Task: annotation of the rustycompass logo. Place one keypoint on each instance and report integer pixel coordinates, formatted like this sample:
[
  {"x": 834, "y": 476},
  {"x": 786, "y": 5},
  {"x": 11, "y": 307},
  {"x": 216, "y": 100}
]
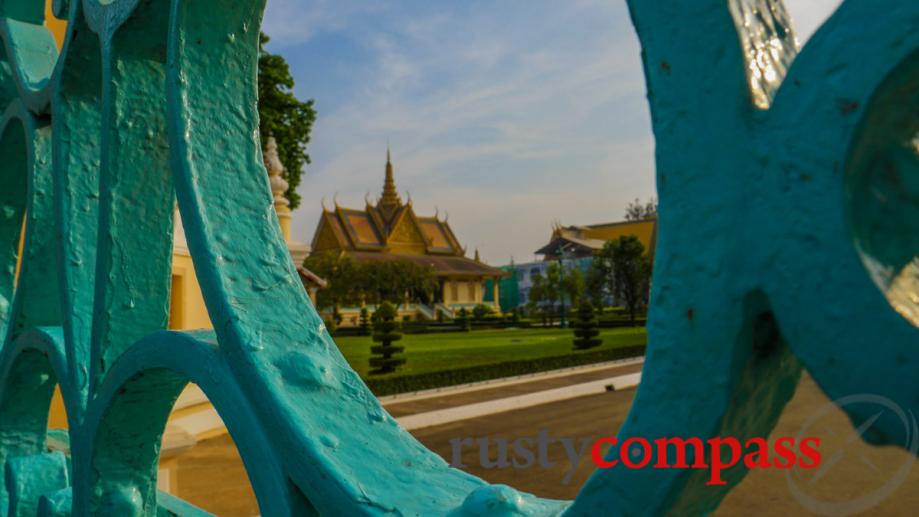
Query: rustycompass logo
[{"x": 889, "y": 467}]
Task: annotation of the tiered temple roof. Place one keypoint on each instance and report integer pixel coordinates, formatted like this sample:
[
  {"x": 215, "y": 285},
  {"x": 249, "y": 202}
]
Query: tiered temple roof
[{"x": 390, "y": 230}]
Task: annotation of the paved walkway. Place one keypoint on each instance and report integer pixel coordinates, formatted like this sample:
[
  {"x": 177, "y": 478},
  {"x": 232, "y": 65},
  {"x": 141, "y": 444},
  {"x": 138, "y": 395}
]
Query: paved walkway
[
  {"x": 857, "y": 469},
  {"x": 213, "y": 477},
  {"x": 447, "y": 400}
]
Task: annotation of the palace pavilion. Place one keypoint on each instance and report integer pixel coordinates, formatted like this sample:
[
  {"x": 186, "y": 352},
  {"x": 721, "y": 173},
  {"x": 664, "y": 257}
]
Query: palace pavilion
[{"x": 391, "y": 230}]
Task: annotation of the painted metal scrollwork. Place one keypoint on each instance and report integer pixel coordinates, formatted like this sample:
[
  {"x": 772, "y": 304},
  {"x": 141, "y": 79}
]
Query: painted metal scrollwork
[{"x": 788, "y": 188}]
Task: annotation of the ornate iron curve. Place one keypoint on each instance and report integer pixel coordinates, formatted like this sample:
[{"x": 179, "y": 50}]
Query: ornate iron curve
[{"x": 767, "y": 231}]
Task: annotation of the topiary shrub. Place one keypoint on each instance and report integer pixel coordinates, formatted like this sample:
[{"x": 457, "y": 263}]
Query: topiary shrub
[
  {"x": 586, "y": 327},
  {"x": 480, "y": 311},
  {"x": 386, "y": 332},
  {"x": 463, "y": 321},
  {"x": 366, "y": 330}
]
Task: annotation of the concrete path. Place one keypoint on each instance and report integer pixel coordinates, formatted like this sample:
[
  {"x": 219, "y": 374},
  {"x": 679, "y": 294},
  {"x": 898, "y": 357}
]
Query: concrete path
[
  {"x": 400, "y": 407},
  {"x": 212, "y": 475},
  {"x": 432, "y": 409}
]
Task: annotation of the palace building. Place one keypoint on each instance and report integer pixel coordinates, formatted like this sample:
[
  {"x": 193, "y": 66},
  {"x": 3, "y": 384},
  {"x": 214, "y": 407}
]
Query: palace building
[
  {"x": 586, "y": 241},
  {"x": 391, "y": 230},
  {"x": 574, "y": 247}
]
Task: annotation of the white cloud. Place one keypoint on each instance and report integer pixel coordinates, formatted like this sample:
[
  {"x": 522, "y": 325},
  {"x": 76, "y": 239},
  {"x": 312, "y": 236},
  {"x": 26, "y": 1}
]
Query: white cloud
[
  {"x": 506, "y": 124},
  {"x": 809, "y": 15},
  {"x": 290, "y": 22}
]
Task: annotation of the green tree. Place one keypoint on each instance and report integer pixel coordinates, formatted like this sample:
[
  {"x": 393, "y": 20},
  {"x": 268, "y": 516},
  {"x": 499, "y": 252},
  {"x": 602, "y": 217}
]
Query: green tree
[
  {"x": 638, "y": 211},
  {"x": 539, "y": 296},
  {"x": 284, "y": 116},
  {"x": 352, "y": 282},
  {"x": 573, "y": 284},
  {"x": 630, "y": 273},
  {"x": 586, "y": 327},
  {"x": 386, "y": 332},
  {"x": 343, "y": 275},
  {"x": 365, "y": 322},
  {"x": 595, "y": 283},
  {"x": 397, "y": 280},
  {"x": 553, "y": 289}
]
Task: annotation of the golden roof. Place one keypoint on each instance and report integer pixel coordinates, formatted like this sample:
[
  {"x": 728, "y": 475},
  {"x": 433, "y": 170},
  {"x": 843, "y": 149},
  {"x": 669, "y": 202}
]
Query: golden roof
[
  {"x": 594, "y": 236},
  {"x": 390, "y": 226}
]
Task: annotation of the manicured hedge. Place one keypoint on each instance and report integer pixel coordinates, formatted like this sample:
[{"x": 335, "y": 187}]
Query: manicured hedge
[
  {"x": 430, "y": 327},
  {"x": 614, "y": 324},
  {"x": 407, "y": 383}
]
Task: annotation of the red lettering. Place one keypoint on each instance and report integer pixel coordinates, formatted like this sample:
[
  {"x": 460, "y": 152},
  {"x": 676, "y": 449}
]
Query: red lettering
[
  {"x": 637, "y": 452},
  {"x": 679, "y": 444},
  {"x": 717, "y": 464},
  {"x": 784, "y": 448},
  {"x": 625, "y": 453},
  {"x": 810, "y": 453},
  {"x": 758, "y": 458},
  {"x": 597, "y": 456}
]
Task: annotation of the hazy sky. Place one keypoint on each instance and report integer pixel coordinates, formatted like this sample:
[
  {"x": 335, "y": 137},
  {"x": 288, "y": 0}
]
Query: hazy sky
[{"x": 506, "y": 114}]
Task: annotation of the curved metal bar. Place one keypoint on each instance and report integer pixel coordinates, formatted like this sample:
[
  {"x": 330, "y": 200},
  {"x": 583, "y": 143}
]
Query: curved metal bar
[
  {"x": 36, "y": 301},
  {"x": 30, "y": 368},
  {"x": 125, "y": 423},
  {"x": 15, "y": 153},
  {"x": 31, "y": 52},
  {"x": 811, "y": 218},
  {"x": 134, "y": 249},
  {"x": 76, "y": 151},
  {"x": 273, "y": 338},
  {"x": 42, "y": 351},
  {"x": 779, "y": 266},
  {"x": 742, "y": 289}
]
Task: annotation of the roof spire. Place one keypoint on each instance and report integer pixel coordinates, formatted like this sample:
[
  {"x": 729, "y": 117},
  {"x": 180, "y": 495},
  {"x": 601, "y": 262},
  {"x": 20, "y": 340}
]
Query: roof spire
[{"x": 390, "y": 196}]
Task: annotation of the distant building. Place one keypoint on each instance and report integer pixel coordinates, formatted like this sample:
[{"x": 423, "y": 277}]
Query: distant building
[
  {"x": 586, "y": 241},
  {"x": 579, "y": 244},
  {"x": 509, "y": 296},
  {"x": 524, "y": 273},
  {"x": 391, "y": 230}
]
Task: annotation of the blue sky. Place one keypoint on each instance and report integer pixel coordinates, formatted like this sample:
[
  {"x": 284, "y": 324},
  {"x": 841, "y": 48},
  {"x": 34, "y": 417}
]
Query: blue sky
[{"x": 506, "y": 114}]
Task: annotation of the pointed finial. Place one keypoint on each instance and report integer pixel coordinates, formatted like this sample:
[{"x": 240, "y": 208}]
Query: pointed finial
[
  {"x": 324, "y": 209},
  {"x": 436, "y": 213},
  {"x": 276, "y": 170},
  {"x": 367, "y": 198},
  {"x": 408, "y": 197},
  {"x": 477, "y": 259},
  {"x": 335, "y": 200},
  {"x": 446, "y": 216},
  {"x": 390, "y": 197}
]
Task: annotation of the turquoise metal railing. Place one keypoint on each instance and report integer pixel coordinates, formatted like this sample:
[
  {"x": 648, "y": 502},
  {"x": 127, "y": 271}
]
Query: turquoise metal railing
[{"x": 788, "y": 188}]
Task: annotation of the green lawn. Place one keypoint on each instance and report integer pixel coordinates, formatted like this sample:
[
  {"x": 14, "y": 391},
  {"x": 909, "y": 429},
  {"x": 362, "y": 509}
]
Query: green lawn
[{"x": 435, "y": 352}]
